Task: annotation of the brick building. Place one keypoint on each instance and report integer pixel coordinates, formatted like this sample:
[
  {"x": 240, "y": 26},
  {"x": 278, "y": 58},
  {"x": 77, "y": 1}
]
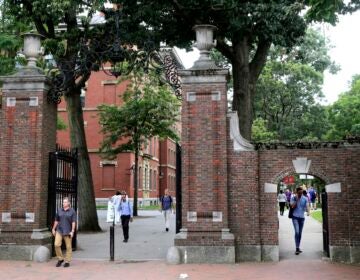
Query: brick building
[
  {"x": 229, "y": 186},
  {"x": 157, "y": 163}
]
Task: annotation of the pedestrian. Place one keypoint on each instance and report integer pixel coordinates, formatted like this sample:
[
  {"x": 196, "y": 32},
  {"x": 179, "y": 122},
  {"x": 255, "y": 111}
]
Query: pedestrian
[
  {"x": 115, "y": 199},
  {"x": 126, "y": 214},
  {"x": 288, "y": 197},
  {"x": 300, "y": 204},
  {"x": 166, "y": 207},
  {"x": 282, "y": 200},
  {"x": 64, "y": 228},
  {"x": 313, "y": 195}
]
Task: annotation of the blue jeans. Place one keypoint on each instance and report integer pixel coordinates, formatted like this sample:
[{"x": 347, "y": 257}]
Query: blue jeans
[{"x": 298, "y": 227}]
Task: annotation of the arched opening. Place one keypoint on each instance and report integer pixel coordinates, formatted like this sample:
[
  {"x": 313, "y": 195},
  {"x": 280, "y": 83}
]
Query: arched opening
[{"x": 312, "y": 237}]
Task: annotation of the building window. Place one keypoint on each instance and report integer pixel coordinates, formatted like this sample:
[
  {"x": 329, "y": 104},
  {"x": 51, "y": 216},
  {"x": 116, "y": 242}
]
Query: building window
[
  {"x": 108, "y": 177},
  {"x": 155, "y": 180},
  {"x": 151, "y": 178}
]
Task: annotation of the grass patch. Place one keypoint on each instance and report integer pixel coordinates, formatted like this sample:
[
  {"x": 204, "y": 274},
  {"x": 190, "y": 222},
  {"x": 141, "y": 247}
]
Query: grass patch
[
  {"x": 317, "y": 215},
  {"x": 150, "y": 207}
]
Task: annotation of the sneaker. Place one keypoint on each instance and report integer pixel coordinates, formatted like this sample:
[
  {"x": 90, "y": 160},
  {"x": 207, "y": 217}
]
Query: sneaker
[
  {"x": 66, "y": 264},
  {"x": 59, "y": 263},
  {"x": 167, "y": 229},
  {"x": 125, "y": 240},
  {"x": 298, "y": 251}
]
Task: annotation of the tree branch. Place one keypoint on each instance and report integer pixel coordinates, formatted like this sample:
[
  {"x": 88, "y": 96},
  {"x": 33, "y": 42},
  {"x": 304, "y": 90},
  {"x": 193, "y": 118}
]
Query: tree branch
[
  {"x": 37, "y": 21},
  {"x": 259, "y": 60},
  {"x": 224, "y": 48}
]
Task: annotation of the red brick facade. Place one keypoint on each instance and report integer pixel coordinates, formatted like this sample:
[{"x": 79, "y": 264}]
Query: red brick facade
[
  {"x": 27, "y": 135},
  {"x": 156, "y": 166},
  {"x": 223, "y": 173}
]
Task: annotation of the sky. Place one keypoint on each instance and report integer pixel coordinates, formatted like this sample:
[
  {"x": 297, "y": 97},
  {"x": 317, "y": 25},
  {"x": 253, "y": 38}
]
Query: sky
[{"x": 344, "y": 38}]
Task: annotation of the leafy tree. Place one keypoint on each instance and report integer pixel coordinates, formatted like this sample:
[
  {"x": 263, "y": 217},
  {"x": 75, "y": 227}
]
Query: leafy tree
[
  {"x": 75, "y": 67},
  {"x": 289, "y": 86},
  {"x": 260, "y": 133},
  {"x": 246, "y": 30},
  {"x": 10, "y": 42},
  {"x": 344, "y": 114},
  {"x": 149, "y": 110},
  {"x": 60, "y": 125}
]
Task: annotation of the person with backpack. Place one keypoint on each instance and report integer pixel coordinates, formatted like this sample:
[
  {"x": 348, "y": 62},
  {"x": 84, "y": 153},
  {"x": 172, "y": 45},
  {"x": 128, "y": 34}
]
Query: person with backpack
[{"x": 166, "y": 207}]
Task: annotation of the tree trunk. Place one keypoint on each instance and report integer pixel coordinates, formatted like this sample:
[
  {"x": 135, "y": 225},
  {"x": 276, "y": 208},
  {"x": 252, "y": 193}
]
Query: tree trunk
[
  {"x": 242, "y": 102},
  {"x": 136, "y": 182},
  {"x": 88, "y": 220}
]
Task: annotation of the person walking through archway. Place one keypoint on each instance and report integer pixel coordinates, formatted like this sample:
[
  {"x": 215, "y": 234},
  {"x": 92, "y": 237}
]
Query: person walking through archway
[
  {"x": 300, "y": 204},
  {"x": 282, "y": 200}
]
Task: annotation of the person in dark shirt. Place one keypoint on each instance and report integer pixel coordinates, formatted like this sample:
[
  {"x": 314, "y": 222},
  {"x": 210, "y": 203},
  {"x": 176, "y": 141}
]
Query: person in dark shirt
[{"x": 64, "y": 228}]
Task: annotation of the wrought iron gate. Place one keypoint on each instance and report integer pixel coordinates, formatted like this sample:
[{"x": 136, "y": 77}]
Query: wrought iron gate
[
  {"x": 324, "y": 207},
  {"x": 178, "y": 189},
  {"x": 63, "y": 179}
]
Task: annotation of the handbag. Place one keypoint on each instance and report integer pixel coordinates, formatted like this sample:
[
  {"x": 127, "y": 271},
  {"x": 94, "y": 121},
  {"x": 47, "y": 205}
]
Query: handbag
[{"x": 291, "y": 212}]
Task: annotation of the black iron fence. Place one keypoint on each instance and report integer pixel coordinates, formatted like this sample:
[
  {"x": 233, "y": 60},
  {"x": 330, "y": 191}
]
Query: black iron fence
[
  {"x": 324, "y": 207},
  {"x": 178, "y": 189},
  {"x": 63, "y": 181}
]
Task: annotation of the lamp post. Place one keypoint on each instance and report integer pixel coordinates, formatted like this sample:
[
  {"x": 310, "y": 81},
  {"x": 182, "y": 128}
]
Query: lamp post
[{"x": 112, "y": 238}]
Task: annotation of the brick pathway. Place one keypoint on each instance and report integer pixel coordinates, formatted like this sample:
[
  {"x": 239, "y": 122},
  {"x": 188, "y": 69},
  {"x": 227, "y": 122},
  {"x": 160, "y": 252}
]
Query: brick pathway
[{"x": 104, "y": 270}]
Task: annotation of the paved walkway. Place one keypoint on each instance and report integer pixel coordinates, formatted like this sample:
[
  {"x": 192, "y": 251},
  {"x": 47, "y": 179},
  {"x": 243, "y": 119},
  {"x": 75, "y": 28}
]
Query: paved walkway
[
  {"x": 148, "y": 240},
  {"x": 311, "y": 240}
]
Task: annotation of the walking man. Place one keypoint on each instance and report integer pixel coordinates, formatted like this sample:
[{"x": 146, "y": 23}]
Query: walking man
[
  {"x": 300, "y": 204},
  {"x": 282, "y": 201},
  {"x": 126, "y": 215},
  {"x": 64, "y": 228},
  {"x": 166, "y": 206}
]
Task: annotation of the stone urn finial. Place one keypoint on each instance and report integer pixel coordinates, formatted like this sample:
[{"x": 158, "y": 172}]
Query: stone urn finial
[
  {"x": 204, "y": 42},
  {"x": 32, "y": 48}
]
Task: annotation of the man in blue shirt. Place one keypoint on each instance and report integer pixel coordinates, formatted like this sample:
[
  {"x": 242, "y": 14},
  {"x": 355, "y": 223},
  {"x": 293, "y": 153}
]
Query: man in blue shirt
[
  {"x": 126, "y": 214},
  {"x": 300, "y": 205}
]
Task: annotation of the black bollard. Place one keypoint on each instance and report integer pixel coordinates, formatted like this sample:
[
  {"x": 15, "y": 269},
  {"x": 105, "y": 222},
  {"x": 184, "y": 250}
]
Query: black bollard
[{"x": 112, "y": 242}]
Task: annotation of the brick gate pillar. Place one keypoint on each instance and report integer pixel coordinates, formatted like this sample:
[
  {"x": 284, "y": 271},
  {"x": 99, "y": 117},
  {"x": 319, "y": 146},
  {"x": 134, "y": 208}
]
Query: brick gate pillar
[
  {"x": 204, "y": 236},
  {"x": 27, "y": 135}
]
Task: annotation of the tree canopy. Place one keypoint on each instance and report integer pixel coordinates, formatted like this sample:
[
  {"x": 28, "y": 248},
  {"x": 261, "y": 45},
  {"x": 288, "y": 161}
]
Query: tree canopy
[
  {"x": 290, "y": 87},
  {"x": 344, "y": 114},
  {"x": 149, "y": 110},
  {"x": 245, "y": 32}
]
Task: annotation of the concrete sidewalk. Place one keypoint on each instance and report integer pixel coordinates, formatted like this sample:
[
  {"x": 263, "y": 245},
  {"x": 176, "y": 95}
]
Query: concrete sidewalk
[
  {"x": 144, "y": 257},
  {"x": 311, "y": 240},
  {"x": 148, "y": 239}
]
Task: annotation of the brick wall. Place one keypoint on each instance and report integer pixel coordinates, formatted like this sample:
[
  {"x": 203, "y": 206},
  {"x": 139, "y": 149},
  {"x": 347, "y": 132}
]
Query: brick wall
[
  {"x": 253, "y": 213},
  {"x": 27, "y": 136}
]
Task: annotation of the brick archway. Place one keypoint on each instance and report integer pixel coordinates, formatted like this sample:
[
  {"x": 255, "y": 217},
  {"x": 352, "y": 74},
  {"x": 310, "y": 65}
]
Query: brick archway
[{"x": 291, "y": 171}]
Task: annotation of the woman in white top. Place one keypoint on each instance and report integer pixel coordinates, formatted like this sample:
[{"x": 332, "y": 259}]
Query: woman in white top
[{"x": 282, "y": 200}]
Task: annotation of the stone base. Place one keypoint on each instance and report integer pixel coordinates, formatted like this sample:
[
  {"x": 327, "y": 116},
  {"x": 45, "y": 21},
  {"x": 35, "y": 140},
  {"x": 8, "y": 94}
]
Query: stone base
[
  {"x": 355, "y": 254},
  {"x": 340, "y": 253},
  {"x": 22, "y": 252},
  {"x": 257, "y": 253},
  {"x": 345, "y": 254},
  {"x": 248, "y": 253},
  {"x": 270, "y": 253},
  {"x": 27, "y": 246},
  {"x": 207, "y": 254}
]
